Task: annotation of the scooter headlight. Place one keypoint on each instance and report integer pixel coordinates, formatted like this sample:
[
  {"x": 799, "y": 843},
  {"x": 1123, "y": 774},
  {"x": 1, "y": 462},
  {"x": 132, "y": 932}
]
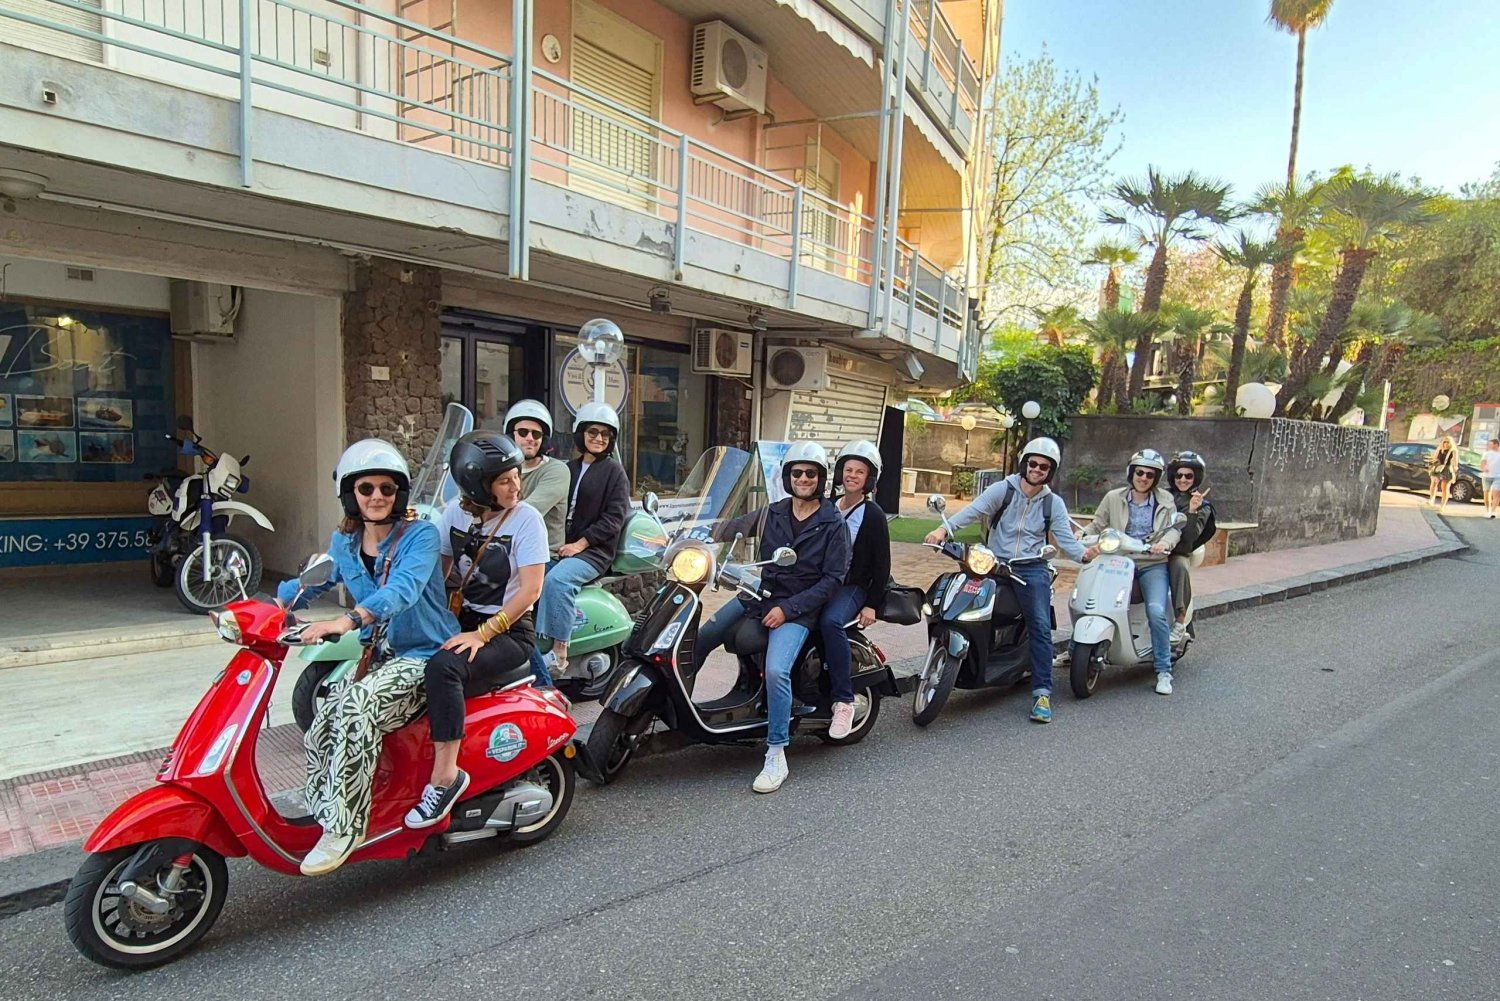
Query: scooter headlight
[
  {"x": 980, "y": 561},
  {"x": 228, "y": 625},
  {"x": 692, "y": 565},
  {"x": 1109, "y": 541}
]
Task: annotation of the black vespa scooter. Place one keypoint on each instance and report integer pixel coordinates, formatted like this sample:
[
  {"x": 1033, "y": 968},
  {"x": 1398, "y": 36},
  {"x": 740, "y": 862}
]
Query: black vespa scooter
[
  {"x": 657, "y": 676},
  {"x": 979, "y": 637}
]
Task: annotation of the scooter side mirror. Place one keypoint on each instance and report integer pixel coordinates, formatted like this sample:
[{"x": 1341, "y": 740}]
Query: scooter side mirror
[
  {"x": 650, "y": 504},
  {"x": 937, "y": 503},
  {"x": 317, "y": 570},
  {"x": 785, "y": 556}
]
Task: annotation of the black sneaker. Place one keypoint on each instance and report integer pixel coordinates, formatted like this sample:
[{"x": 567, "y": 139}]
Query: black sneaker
[{"x": 436, "y": 803}]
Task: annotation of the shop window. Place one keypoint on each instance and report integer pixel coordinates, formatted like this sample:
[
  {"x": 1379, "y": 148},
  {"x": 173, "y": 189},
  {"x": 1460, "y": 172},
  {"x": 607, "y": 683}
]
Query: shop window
[
  {"x": 86, "y": 396},
  {"x": 664, "y": 418}
]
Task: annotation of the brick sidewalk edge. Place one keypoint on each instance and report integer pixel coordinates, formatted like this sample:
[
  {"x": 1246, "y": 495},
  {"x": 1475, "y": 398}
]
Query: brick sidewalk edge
[{"x": 41, "y": 878}]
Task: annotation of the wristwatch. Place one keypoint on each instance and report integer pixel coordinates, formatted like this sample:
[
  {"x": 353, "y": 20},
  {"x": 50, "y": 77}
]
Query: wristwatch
[{"x": 354, "y": 617}]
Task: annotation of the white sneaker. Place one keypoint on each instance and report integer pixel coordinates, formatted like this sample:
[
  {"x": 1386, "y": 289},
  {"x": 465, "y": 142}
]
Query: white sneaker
[
  {"x": 1164, "y": 683},
  {"x": 774, "y": 773},
  {"x": 1179, "y": 633},
  {"x": 843, "y": 720},
  {"x": 331, "y": 851}
]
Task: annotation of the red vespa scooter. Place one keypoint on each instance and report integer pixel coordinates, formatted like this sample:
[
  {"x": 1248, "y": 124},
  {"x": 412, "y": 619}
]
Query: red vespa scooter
[{"x": 155, "y": 879}]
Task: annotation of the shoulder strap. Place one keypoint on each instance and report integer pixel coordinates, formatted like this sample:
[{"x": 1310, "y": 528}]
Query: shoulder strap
[
  {"x": 1010, "y": 492},
  {"x": 385, "y": 569},
  {"x": 1047, "y": 513},
  {"x": 474, "y": 561}
]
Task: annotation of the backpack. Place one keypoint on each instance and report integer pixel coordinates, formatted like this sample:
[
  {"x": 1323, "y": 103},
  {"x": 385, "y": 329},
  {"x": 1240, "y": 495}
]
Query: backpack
[{"x": 1047, "y": 512}]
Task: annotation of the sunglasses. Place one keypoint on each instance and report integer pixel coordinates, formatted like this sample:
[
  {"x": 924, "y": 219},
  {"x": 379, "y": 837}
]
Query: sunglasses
[
  {"x": 803, "y": 474},
  {"x": 527, "y": 433},
  {"x": 603, "y": 434},
  {"x": 368, "y": 489},
  {"x": 1151, "y": 473},
  {"x": 1185, "y": 476},
  {"x": 1044, "y": 465}
]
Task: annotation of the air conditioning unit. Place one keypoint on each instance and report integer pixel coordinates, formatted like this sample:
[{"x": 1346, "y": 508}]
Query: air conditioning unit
[
  {"x": 722, "y": 352},
  {"x": 729, "y": 68},
  {"x": 801, "y": 369},
  {"x": 203, "y": 310}
]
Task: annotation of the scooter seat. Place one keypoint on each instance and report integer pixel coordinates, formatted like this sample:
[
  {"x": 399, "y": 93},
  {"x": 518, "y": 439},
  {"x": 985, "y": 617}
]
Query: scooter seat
[
  {"x": 748, "y": 638},
  {"x": 483, "y": 685}
]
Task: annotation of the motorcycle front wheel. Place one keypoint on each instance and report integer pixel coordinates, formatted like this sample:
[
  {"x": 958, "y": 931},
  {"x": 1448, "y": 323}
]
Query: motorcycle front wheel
[
  {"x": 934, "y": 684},
  {"x": 611, "y": 745},
  {"x": 1086, "y": 661},
  {"x": 115, "y": 931},
  {"x": 208, "y": 592}
]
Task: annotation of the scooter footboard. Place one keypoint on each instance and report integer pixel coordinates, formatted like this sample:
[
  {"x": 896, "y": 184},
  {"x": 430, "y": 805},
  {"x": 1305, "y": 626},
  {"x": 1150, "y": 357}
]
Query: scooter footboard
[{"x": 164, "y": 811}]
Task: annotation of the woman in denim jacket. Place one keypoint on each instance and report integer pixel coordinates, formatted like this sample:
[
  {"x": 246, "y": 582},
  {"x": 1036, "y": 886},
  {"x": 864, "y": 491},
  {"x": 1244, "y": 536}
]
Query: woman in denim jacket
[{"x": 390, "y": 565}]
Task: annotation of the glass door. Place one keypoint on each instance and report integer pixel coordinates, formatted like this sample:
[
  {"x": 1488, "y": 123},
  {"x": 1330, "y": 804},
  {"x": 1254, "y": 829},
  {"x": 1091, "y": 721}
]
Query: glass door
[{"x": 489, "y": 363}]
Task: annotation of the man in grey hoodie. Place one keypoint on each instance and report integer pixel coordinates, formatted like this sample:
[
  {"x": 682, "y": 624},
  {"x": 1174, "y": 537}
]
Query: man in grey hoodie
[{"x": 1021, "y": 511}]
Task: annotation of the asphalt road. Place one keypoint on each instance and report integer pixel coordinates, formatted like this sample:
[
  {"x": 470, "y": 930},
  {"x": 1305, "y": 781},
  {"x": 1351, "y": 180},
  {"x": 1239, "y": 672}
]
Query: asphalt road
[{"x": 1309, "y": 816}]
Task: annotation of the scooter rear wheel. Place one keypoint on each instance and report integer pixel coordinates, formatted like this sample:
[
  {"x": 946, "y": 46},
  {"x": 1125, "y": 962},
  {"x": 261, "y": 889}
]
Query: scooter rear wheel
[
  {"x": 1083, "y": 673},
  {"x": 866, "y": 712},
  {"x": 934, "y": 684},
  {"x": 116, "y": 932},
  {"x": 557, "y": 774}
]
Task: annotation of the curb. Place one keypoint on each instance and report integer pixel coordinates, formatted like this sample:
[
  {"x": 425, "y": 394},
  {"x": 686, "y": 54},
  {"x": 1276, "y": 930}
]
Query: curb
[{"x": 41, "y": 878}]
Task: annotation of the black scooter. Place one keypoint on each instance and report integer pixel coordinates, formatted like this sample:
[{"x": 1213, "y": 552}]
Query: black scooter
[
  {"x": 979, "y": 637},
  {"x": 658, "y": 672}
]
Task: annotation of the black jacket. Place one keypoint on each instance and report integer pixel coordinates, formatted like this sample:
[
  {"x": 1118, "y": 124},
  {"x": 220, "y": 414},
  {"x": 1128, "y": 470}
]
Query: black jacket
[
  {"x": 802, "y": 589},
  {"x": 1198, "y": 528},
  {"x": 601, "y": 510},
  {"x": 870, "y": 566}
]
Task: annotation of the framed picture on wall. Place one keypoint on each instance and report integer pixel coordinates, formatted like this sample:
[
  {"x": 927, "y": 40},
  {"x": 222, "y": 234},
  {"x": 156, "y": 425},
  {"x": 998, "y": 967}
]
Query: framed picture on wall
[
  {"x": 7, "y": 446},
  {"x": 7, "y": 411},
  {"x": 106, "y": 413},
  {"x": 112, "y": 447},
  {"x": 44, "y": 411},
  {"x": 46, "y": 446}
]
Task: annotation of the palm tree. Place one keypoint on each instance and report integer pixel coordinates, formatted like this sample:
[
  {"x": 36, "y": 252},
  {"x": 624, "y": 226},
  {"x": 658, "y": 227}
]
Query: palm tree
[
  {"x": 1112, "y": 332},
  {"x": 1252, "y": 256},
  {"x": 1297, "y": 17},
  {"x": 1363, "y": 211},
  {"x": 1189, "y": 327},
  {"x": 1058, "y": 324},
  {"x": 1294, "y": 210},
  {"x": 1157, "y": 211},
  {"x": 1114, "y": 256},
  {"x": 1384, "y": 332}
]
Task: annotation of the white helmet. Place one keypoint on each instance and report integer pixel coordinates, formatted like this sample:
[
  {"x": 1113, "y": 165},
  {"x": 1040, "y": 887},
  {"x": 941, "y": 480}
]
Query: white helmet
[
  {"x": 1045, "y": 448},
  {"x": 805, "y": 451},
  {"x": 866, "y": 452},
  {"x": 368, "y": 457},
  {"x": 1150, "y": 458},
  {"x": 528, "y": 410},
  {"x": 596, "y": 413}
]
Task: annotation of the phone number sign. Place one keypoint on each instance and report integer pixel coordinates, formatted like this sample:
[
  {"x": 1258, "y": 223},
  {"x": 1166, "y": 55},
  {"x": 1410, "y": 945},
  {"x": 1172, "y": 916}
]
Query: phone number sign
[{"x": 35, "y": 542}]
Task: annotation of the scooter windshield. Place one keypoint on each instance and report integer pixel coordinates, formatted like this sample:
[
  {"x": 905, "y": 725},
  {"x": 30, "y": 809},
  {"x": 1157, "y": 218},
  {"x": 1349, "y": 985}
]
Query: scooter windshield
[
  {"x": 715, "y": 489},
  {"x": 431, "y": 486}
]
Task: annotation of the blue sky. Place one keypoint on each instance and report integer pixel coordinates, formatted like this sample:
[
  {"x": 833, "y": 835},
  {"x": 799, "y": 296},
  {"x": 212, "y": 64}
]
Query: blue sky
[{"x": 1207, "y": 84}]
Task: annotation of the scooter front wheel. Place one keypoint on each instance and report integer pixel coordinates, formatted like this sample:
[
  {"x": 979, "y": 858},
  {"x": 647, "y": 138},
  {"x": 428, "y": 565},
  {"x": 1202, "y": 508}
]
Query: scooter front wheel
[
  {"x": 309, "y": 692},
  {"x": 610, "y": 746},
  {"x": 934, "y": 684},
  {"x": 134, "y": 934},
  {"x": 1087, "y": 660}
]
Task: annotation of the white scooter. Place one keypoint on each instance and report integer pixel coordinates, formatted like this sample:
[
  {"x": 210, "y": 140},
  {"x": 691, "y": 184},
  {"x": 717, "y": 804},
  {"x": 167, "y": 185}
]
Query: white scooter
[{"x": 1109, "y": 617}]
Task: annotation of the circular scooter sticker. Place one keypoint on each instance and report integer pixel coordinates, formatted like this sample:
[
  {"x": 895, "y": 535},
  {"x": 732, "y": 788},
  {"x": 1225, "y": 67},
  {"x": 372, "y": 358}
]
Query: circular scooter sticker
[{"x": 506, "y": 742}]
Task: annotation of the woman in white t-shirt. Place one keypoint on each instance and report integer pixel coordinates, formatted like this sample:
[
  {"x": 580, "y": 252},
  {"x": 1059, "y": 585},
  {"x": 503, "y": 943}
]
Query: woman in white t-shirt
[
  {"x": 1489, "y": 475},
  {"x": 496, "y": 546}
]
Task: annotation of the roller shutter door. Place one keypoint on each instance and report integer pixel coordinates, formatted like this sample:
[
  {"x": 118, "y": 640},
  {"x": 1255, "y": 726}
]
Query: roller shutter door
[{"x": 846, "y": 410}]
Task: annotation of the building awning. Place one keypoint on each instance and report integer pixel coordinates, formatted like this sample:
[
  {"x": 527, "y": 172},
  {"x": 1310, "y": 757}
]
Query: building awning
[{"x": 819, "y": 17}]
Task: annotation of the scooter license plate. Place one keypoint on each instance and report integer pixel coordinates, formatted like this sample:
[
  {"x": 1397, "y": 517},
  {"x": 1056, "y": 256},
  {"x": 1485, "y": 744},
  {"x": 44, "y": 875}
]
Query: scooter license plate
[{"x": 973, "y": 586}]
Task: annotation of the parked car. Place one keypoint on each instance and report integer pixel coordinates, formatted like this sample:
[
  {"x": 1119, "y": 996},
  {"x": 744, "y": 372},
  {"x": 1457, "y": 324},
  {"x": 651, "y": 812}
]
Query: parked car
[{"x": 1406, "y": 466}]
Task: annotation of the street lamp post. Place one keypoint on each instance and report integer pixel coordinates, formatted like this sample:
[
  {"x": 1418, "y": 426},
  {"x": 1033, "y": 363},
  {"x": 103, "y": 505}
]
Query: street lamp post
[
  {"x": 967, "y": 422},
  {"x": 1006, "y": 422},
  {"x": 1030, "y": 410}
]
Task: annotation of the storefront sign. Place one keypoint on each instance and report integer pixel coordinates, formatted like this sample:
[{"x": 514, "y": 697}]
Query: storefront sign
[
  {"x": 32, "y": 542},
  {"x": 577, "y": 380}
]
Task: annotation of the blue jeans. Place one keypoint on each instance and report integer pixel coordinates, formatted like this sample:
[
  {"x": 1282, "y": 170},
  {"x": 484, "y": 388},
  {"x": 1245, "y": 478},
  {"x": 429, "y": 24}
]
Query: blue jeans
[
  {"x": 1036, "y": 606},
  {"x": 781, "y": 656},
  {"x": 1156, "y": 589},
  {"x": 841, "y": 608},
  {"x": 538, "y": 665},
  {"x": 560, "y": 595}
]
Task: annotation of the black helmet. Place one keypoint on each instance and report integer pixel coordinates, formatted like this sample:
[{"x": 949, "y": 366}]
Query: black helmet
[
  {"x": 1189, "y": 460},
  {"x": 477, "y": 458}
]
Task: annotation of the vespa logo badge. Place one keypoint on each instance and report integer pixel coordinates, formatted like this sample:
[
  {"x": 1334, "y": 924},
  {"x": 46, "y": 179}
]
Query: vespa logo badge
[{"x": 506, "y": 742}]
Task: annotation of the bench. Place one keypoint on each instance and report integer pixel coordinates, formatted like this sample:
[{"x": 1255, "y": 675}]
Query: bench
[{"x": 1217, "y": 549}]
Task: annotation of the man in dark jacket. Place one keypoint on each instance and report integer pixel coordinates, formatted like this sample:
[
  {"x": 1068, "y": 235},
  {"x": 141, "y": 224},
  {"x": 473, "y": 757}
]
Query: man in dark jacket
[
  {"x": 599, "y": 503},
  {"x": 1187, "y": 472},
  {"x": 810, "y": 524}
]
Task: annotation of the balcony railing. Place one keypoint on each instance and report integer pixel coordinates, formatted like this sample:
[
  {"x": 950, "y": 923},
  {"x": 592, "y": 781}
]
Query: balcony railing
[
  {"x": 383, "y": 75},
  {"x": 943, "y": 59}
]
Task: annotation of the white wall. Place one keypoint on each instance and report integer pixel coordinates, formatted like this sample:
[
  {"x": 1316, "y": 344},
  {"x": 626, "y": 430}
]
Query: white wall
[
  {"x": 48, "y": 280},
  {"x": 276, "y": 393}
]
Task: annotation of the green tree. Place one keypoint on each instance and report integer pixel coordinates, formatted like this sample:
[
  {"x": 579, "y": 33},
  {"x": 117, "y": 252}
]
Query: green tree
[
  {"x": 1297, "y": 17},
  {"x": 1112, "y": 333},
  {"x": 1058, "y": 379},
  {"x": 1059, "y": 325},
  {"x": 1158, "y": 211},
  {"x": 1453, "y": 267},
  {"x": 1365, "y": 212},
  {"x": 1112, "y": 256},
  {"x": 1189, "y": 327},
  {"x": 1050, "y": 145},
  {"x": 1251, "y": 257},
  {"x": 1294, "y": 208}
]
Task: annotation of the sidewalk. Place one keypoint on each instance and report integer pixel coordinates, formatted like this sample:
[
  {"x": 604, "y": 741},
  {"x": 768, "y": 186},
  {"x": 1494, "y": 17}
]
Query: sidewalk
[{"x": 78, "y": 738}]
